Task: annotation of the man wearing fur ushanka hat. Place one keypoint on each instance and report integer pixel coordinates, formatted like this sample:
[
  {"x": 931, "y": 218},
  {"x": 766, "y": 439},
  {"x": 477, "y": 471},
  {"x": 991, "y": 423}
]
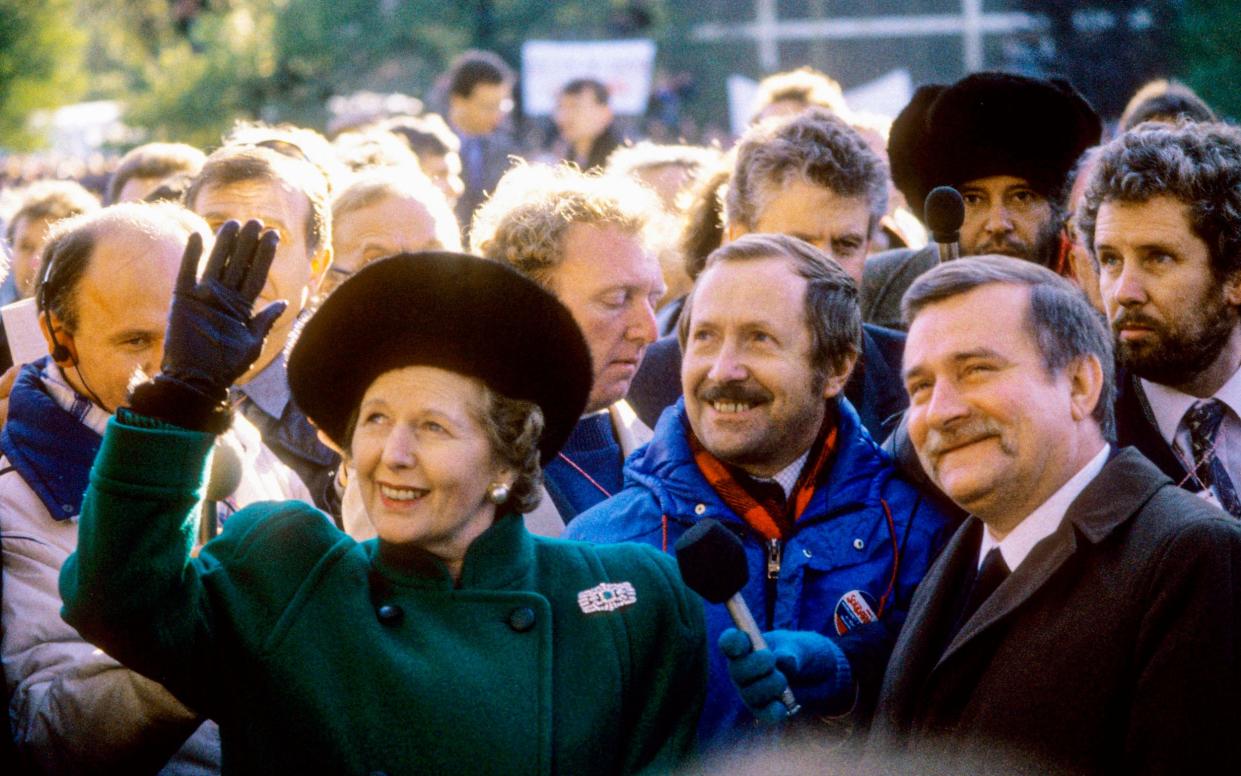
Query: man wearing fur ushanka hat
[{"x": 1007, "y": 143}]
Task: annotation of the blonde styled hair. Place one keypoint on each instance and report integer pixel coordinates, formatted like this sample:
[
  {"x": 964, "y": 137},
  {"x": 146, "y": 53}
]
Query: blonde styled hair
[{"x": 525, "y": 220}]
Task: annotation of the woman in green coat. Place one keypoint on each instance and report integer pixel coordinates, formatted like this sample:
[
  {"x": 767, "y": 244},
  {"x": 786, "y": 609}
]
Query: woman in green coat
[{"x": 456, "y": 642}]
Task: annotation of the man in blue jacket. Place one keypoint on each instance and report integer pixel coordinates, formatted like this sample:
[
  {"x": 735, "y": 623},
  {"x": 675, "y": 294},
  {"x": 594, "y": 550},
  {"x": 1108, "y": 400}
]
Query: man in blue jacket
[{"x": 764, "y": 442}]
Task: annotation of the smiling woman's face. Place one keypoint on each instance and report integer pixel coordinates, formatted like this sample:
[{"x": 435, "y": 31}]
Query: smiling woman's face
[{"x": 424, "y": 462}]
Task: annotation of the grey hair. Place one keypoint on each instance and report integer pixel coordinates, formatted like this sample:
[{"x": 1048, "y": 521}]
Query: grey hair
[
  {"x": 833, "y": 315},
  {"x": 815, "y": 146},
  {"x": 1196, "y": 163},
  {"x": 1060, "y": 318},
  {"x": 514, "y": 427}
]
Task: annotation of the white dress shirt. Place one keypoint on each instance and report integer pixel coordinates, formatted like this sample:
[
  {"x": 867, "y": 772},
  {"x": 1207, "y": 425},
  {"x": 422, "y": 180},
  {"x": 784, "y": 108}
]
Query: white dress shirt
[
  {"x": 1169, "y": 406},
  {"x": 1044, "y": 520},
  {"x": 787, "y": 477}
]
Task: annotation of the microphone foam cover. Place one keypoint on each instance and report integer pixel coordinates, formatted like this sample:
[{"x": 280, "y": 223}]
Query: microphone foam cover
[
  {"x": 712, "y": 561},
  {"x": 225, "y": 473},
  {"x": 944, "y": 212}
]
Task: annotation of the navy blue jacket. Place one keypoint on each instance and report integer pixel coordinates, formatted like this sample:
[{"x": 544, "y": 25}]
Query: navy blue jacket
[{"x": 853, "y": 530}]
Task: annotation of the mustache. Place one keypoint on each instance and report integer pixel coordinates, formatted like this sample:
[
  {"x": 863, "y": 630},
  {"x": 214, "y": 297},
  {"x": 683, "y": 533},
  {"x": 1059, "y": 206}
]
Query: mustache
[
  {"x": 967, "y": 432},
  {"x": 748, "y": 393},
  {"x": 1135, "y": 318},
  {"x": 1005, "y": 246}
]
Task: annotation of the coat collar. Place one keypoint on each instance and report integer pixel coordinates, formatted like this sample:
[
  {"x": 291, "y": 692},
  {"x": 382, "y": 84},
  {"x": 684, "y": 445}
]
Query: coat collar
[
  {"x": 631, "y": 433},
  {"x": 51, "y": 449},
  {"x": 499, "y": 558},
  {"x": 1136, "y": 426},
  {"x": 1127, "y": 482}
]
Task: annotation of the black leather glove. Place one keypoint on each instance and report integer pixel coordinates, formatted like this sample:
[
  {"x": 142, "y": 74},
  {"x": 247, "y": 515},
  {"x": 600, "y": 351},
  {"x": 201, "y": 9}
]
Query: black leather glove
[{"x": 212, "y": 337}]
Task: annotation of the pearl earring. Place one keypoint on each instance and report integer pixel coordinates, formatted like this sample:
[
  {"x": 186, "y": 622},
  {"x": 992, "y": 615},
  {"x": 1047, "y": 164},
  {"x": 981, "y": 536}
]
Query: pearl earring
[{"x": 498, "y": 493}]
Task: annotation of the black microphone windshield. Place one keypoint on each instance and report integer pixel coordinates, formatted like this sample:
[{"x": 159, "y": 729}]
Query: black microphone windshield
[
  {"x": 944, "y": 212},
  {"x": 712, "y": 561},
  {"x": 225, "y": 474}
]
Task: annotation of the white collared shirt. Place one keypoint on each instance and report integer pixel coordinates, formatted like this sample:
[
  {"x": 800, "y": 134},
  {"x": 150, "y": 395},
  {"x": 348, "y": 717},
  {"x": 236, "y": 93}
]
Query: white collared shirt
[
  {"x": 1169, "y": 406},
  {"x": 786, "y": 478},
  {"x": 1044, "y": 520}
]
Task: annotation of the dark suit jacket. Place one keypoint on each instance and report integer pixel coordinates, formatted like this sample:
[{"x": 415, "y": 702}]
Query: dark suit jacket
[
  {"x": 875, "y": 388},
  {"x": 497, "y": 147},
  {"x": 600, "y": 150},
  {"x": 885, "y": 279},
  {"x": 1136, "y": 427},
  {"x": 1112, "y": 648}
]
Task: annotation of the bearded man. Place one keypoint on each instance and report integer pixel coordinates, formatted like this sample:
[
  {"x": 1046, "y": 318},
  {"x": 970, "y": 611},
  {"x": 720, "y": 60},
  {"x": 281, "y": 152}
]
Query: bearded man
[
  {"x": 1007, "y": 143},
  {"x": 1162, "y": 214}
]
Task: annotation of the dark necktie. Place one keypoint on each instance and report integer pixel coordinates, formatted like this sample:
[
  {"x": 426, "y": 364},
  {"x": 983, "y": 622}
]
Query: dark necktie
[
  {"x": 1203, "y": 421},
  {"x": 992, "y": 572}
]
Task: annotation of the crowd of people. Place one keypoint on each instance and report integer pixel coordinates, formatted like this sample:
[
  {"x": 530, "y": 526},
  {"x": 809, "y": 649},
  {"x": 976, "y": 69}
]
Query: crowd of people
[{"x": 388, "y": 453}]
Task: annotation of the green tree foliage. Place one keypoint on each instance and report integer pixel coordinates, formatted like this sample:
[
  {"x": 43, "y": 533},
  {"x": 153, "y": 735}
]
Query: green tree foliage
[
  {"x": 40, "y": 64},
  {"x": 188, "y": 70},
  {"x": 183, "y": 78},
  {"x": 1209, "y": 52}
]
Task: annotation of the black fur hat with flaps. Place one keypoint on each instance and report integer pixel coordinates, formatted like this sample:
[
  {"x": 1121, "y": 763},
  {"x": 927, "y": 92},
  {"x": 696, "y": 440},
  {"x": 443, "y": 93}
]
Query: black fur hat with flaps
[
  {"x": 990, "y": 124},
  {"x": 449, "y": 310}
]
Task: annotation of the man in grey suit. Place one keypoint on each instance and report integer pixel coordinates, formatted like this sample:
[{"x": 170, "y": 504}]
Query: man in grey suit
[{"x": 1085, "y": 618}]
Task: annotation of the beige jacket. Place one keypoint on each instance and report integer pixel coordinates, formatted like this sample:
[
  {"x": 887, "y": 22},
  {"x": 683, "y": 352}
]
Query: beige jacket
[
  {"x": 72, "y": 708},
  {"x": 545, "y": 519}
]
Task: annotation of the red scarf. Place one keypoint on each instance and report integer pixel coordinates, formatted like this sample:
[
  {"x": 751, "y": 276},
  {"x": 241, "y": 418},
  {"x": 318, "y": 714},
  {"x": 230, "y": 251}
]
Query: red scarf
[{"x": 771, "y": 518}]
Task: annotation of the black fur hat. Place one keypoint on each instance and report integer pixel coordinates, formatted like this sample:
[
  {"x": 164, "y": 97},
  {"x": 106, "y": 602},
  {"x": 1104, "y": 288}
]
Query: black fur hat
[
  {"x": 468, "y": 315},
  {"x": 990, "y": 124}
]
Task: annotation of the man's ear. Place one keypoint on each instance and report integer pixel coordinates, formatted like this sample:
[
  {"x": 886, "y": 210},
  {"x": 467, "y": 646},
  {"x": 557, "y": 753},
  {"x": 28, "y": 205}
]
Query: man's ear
[
  {"x": 1085, "y": 386},
  {"x": 837, "y": 380},
  {"x": 319, "y": 264},
  {"x": 1232, "y": 289},
  {"x": 58, "y": 336}
]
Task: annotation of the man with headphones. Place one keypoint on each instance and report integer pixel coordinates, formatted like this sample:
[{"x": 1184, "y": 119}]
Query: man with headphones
[
  {"x": 764, "y": 441},
  {"x": 104, "y": 292}
]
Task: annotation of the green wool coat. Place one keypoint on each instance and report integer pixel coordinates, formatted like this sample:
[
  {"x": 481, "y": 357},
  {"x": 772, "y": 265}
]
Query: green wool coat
[{"x": 317, "y": 654}]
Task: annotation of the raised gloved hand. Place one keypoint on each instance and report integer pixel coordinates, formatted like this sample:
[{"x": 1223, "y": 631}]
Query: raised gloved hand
[
  {"x": 212, "y": 337},
  {"x": 811, "y": 664}
]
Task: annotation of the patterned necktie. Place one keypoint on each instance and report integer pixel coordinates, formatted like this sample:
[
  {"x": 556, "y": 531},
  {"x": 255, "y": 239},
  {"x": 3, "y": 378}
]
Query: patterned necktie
[{"x": 1203, "y": 421}]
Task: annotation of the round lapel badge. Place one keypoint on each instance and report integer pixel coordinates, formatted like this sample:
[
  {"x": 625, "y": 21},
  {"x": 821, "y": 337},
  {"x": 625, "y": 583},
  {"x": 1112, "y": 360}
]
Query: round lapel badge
[{"x": 856, "y": 607}]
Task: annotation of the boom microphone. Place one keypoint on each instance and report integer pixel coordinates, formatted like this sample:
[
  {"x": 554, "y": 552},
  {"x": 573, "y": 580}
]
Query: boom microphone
[
  {"x": 713, "y": 565},
  {"x": 944, "y": 212}
]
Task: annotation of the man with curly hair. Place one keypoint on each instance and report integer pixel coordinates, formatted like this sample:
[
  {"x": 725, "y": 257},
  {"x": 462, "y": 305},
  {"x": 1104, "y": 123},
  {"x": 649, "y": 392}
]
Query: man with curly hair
[
  {"x": 587, "y": 239},
  {"x": 1162, "y": 216}
]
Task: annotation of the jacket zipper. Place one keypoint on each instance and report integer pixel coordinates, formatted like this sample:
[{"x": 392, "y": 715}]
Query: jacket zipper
[{"x": 774, "y": 551}]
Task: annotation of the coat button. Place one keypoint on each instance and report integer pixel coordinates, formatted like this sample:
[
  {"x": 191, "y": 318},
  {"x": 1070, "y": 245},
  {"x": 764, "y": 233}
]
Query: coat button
[
  {"x": 521, "y": 619},
  {"x": 391, "y": 614},
  {"x": 698, "y": 510},
  {"x": 858, "y": 544}
]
